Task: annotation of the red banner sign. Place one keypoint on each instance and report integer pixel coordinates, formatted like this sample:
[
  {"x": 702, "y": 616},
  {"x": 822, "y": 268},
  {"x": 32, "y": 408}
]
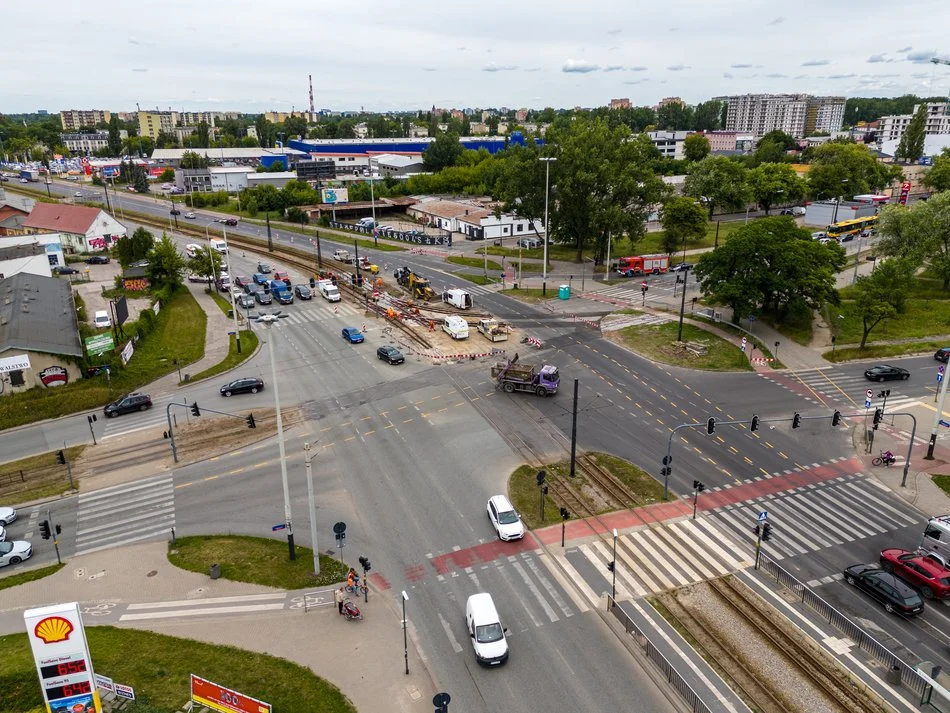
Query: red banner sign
[{"x": 223, "y": 699}]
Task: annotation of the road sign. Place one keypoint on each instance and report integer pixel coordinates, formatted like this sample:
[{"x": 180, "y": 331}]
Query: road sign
[
  {"x": 867, "y": 403},
  {"x": 944, "y": 423},
  {"x": 764, "y": 515},
  {"x": 939, "y": 378},
  {"x": 275, "y": 528},
  {"x": 869, "y": 394},
  {"x": 339, "y": 528},
  {"x": 941, "y": 369}
]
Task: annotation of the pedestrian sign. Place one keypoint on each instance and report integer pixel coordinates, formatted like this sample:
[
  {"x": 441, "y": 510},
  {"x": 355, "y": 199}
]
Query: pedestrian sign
[
  {"x": 867, "y": 403},
  {"x": 944, "y": 423},
  {"x": 764, "y": 515},
  {"x": 939, "y": 378}
]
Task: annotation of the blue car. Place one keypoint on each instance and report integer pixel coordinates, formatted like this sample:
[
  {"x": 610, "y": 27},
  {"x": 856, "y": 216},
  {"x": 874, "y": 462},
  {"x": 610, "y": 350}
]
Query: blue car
[
  {"x": 352, "y": 335},
  {"x": 260, "y": 278},
  {"x": 284, "y": 296}
]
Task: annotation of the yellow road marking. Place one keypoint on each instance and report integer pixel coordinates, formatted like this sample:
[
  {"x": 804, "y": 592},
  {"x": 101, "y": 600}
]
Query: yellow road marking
[
  {"x": 366, "y": 418},
  {"x": 401, "y": 408},
  {"x": 764, "y": 471},
  {"x": 733, "y": 449},
  {"x": 409, "y": 420},
  {"x": 460, "y": 403},
  {"x": 783, "y": 455},
  {"x": 370, "y": 433},
  {"x": 747, "y": 459},
  {"x": 351, "y": 438}
]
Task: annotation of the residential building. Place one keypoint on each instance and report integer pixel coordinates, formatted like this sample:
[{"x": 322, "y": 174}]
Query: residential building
[
  {"x": 39, "y": 333},
  {"x": 361, "y": 130},
  {"x": 721, "y": 141},
  {"x": 193, "y": 118},
  {"x": 89, "y": 143},
  {"x": 475, "y": 220},
  {"x": 521, "y": 115},
  {"x": 416, "y": 132},
  {"x": 795, "y": 114},
  {"x": 151, "y": 123},
  {"x": 82, "y": 229},
  {"x": 666, "y": 101},
  {"x": 27, "y": 254},
  {"x": 824, "y": 114},
  {"x": 476, "y": 129},
  {"x": 277, "y": 117},
  {"x": 669, "y": 143},
  {"x": 892, "y": 128},
  {"x": 620, "y": 103},
  {"x": 73, "y": 119},
  {"x": 11, "y": 219}
]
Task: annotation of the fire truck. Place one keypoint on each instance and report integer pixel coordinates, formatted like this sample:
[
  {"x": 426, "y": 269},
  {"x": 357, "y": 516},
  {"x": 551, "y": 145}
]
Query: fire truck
[{"x": 642, "y": 265}]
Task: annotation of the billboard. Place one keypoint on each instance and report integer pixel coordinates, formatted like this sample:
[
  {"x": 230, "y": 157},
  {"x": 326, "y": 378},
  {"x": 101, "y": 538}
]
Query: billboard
[
  {"x": 335, "y": 196},
  {"x": 121, "y": 307},
  {"x": 99, "y": 344},
  {"x": 219, "y": 698},
  {"x": 15, "y": 363}
]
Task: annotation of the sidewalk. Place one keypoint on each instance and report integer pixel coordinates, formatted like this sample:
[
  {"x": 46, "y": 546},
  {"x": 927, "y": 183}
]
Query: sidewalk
[{"x": 364, "y": 659}]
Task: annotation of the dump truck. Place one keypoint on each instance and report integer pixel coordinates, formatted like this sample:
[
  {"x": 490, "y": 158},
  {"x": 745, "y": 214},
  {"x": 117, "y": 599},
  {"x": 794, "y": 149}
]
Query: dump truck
[
  {"x": 457, "y": 298},
  {"x": 515, "y": 376},
  {"x": 492, "y": 330},
  {"x": 417, "y": 285}
]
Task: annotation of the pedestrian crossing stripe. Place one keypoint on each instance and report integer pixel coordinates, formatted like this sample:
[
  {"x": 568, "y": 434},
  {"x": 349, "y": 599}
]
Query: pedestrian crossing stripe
[
  {"x": 305, "y": 316},
  {"x": 117, "y": 516}
]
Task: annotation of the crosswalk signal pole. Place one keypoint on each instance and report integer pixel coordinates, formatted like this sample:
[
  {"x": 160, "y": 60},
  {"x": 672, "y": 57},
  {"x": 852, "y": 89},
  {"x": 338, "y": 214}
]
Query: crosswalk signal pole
[
  {"x": 758, "y": 543},
  {"x": 937, "y": 417},
  {"x": 54, "y": 531}
]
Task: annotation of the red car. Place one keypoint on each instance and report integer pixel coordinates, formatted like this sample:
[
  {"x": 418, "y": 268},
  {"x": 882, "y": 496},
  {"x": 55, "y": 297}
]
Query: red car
[
  {"x": 926, "y": 571},
  {"x": 283, "y": 277}
]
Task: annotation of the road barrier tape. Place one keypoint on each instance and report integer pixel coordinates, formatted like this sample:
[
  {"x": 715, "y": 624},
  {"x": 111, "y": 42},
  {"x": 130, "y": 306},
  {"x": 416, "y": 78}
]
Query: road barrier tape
[
  {"x": 494, "y": 352},
  {"x": 762, "y": 360},
  {"x": 589, "y": 322}
]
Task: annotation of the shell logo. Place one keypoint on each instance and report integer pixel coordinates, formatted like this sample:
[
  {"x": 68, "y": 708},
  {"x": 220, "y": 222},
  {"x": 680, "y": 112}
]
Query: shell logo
[{"x": 53, "y": 629}]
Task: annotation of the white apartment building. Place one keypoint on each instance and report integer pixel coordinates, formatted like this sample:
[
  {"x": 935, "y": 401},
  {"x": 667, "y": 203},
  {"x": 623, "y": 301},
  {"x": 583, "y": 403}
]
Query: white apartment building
[
  {"x": 89, "y": 143},
  {"x": 892, "y": 128},
  {"x": 669, "y": 143},
  {"x": 73, "y": 119},
  {"x": 796, "y": 114}
]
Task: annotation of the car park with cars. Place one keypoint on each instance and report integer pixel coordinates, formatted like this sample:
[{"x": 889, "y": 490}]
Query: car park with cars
[
  {"x": 127, "y": 404},
  {"x": 352, "y": 335},
  {"x": 247, "y": 385},
  {"x": 391, "y": 354},
  {"x": 886, "y": 372}
]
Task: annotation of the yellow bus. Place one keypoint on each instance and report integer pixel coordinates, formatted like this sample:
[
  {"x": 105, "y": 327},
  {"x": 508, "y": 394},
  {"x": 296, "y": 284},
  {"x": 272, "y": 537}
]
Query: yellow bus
[{"x": 845, "y": 228}]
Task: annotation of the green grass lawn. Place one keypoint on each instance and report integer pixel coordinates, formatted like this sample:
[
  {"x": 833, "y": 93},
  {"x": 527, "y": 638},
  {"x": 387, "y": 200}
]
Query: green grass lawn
[
  {"x": 248, "y": 347},
  {"x": 942, "y": 482},
  {"x": 30, "y": 575},
  {"x": 656, "y": 342},
  {"x": 523, "y": 493},
  {"x": 474, "y": 262},
  {"x": 179, "y": 333},
  {"x": 883, "y": 351},
  {"x": 653, "y": 242},
  {"x": 761, "y": 349},
  {"x": 256, "y": 560},
  {"x": 477, "y": 279},
  {"x": 159, "y": 668},
  {"x": 36, "y": 477},
  {"x": 530, "y": 295},
  {"x": 927, "y": 314}
]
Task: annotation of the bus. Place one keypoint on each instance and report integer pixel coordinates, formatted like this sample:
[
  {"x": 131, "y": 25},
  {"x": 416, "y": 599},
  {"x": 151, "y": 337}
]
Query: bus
[
  {"x": 875, "y": 199},
  {"x": 847, "y": 229}
]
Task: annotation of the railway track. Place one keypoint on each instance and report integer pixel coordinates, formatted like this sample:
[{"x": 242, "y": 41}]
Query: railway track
[{"x": 608, "y": 483}]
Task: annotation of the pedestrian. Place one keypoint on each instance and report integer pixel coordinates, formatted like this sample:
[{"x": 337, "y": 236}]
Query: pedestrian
[{"x": 338, "y": 596}]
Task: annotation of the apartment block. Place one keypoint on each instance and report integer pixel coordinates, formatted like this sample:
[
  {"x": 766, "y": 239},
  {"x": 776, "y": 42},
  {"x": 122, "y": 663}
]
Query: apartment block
[
  {"x": 88, "y": 143},
  {"x": 795, "y": 114},
  {"x": 72, "y": 119},
  {"x": 620, "y": 103},
  {"x": 151, "y": 123},
  {"x": 892, "y": 128}
]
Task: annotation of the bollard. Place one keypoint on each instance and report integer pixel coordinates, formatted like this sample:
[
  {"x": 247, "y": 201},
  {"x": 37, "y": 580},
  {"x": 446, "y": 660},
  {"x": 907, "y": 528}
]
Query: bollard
[
  {"x": 215, "y": 571},
  {"x": 893, "y": 676}
]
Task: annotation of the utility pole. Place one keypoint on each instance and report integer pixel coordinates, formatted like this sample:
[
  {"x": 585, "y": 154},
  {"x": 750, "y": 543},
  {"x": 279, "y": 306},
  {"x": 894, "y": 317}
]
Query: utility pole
[
  {"x": 679, "y": 334},
  {"x": 270, "y": 241},
  {"x": 313, "y": 510},
  {"x": 937, "y": 418},
  {"x": 574, "y": 432}
]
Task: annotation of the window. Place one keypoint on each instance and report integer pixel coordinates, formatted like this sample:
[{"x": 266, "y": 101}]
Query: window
[
  {"x": 53, "y": 259},
  {"x": 16, "y": 378},
  {"x": 519, "y": 228}
]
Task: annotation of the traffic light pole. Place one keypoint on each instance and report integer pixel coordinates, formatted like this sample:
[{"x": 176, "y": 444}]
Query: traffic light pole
[
  {"x": 197, "y": 412},
  {"x": 53, "y": 533},
  {"x": 313, "y": 510},
  {"x": 937, "y": 418}
]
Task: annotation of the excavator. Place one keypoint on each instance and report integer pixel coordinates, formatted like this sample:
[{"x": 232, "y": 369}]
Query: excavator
[{"x": 417, "y": 286}]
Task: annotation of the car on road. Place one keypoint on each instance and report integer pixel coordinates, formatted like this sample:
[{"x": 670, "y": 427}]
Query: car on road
[
  {"x": 847, "y": 238},
  {"x": 246, "y": 301},
  {"x": 927, "y": 572},
  {"x": 263, "y": 298},
  {"x": 78, "y": 194},
  {"x": 303, "y": 292},
  {"x": 264, "y": 267},
  {"x": 3, "y": 534},
  {"x": 886, "y": 372},
  {"x": 682, "y": 267},
  {"x": 23, "y": 180},
  {"x": 942, "y": 354},
  {"x": 65, "y": 270},
  {"x": 14, "y": 552},
  {"x": 384, "y": 227},
  {"x": 260, "y": 278},
  {"x": 98, "y": 260},
  {"x": 127, "y": 404},
  {"x": 247, "y": 385},
  {"x": 283, "y": 277},
  {"x": 242, "y": 281},
  {"x": 504, "y": 518},
  {"x": 897, "y": 596},
  {"x": 177, "y": 191},
  {"x": 174, "y": 211},
  {"x": 391, "y": 354},
  {"x": 190, "y": 216},
  {"x": 352, "y": 335},
  {"x": 7, "y": 515},
  {"x": 197, "y": 278},
  {"x": 228, "y": 221},
  {"x": 284, "y": 296}
]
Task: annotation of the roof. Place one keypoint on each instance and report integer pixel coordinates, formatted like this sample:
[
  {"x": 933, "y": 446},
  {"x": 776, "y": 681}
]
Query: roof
[
  {"x": 62, "y": 218},
  {"x": 38, "y": 314},
  {"x": 15, "y": 252},
  {"x": 219, "y": 154},
  {"x": 133, "y": 273},
  {"x": 271, "y": 175},
  {"x": 399, "y": 160},
  {"x": 475, "y": 215},
  {"x": 448, "y": 209}
]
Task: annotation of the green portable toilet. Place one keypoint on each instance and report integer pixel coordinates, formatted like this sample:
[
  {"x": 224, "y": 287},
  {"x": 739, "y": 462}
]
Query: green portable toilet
[{"x": 564, "y": 292}]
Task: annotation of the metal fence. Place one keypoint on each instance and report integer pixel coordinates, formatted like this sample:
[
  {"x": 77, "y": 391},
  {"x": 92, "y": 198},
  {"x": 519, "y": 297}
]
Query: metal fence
[
  {"x": 680, "y": 684},
  {"x": 407, "y": 236}
]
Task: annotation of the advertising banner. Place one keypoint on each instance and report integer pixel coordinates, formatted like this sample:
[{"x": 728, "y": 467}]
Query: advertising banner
[
  {"x": 222, "y": 699},
  {"x": 15, "y": 363},
  {"x": 99, "y": 344},
  {"x": 335, "y": 196},
  {"x": 127, "y": 352}
]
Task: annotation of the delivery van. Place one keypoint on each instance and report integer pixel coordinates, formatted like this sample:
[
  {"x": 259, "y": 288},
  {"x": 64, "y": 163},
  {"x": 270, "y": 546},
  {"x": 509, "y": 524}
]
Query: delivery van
[
  {"x": 329, "y": 291},
  {"x": 485, "y": 630},
  {"x": 455, "y": 327}
]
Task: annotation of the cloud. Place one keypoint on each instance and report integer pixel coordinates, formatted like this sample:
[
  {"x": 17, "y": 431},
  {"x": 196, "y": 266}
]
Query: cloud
[
  {"x": 921, "y": 75},
  {"x": 638, "y": 68},
  {"x": 674, "y": 29},
  {"x": 741, "y": 66},
  {"x": 637, "y": 81},
  {"x": 841, "y": 76},
  {"x": 532, "y": 69},
  {"x": 500, "y": 68},
  {"x": 613, "y": 68},
  {"x": 921, "y": 56},
  {"x": 908, "y": 48},
  {"x": 463, "y": 49},
  {"x": 726, "y": 75},
  {"x": 816, "y": 63},
  {"x": 800, "y": 76},
  {"x": 579, "y": 66},
  {"x": 430, "y": 69},
  {"x": 615, "y": 31},
  {"x": 875, "y": 58},
  {"x": 777, "y": 75},
  {"x": 139, "y": 69},
  {"x": 777, "y": 21},
  {"x": 678, "y": 67}
]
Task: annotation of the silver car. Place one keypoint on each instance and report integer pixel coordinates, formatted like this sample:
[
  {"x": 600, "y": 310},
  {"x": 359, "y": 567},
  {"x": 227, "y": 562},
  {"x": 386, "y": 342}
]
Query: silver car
[{"x": 15, "y": 552}]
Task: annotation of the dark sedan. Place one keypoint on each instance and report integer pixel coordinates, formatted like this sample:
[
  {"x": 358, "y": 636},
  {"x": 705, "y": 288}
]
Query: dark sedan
[
  {"x": 942, "y": 354},
  {"x": 246, "y": 301},
  {"x": 390, "y": 354},
  {"x": 897, "y": 596},
  {"x": 65, "y": 270},
  {"x": 303, "y": 292},
  {"x": 250, "y": 385},
  {"x": 263, "y": 298},
  {"x": 98, "y": 260},
  {"x": 886, "y": 372}
]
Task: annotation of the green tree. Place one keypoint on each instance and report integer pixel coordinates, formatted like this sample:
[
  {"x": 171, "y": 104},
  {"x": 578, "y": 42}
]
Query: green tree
[
  {"x": 443, "y": 152},
  {"x": 683, "y": 220},
  {"x": 139, "y": 179},
  {"x": 847, "y": 169},
  {"x": 696, "y": 147},
  {"x": 191, "y": 159},
  {"x": 433, "y": 126},
  {"x": 206, "y": 263},
  {"x": 166, "y": 140},
  {"x": 249, "y": 142},
  {"x": 115, "y": 139},
  {"x": 882, "y": 294},
  {"x": 706, "y": 115},
  {"x": 911, "y": 145},
  {"x": 266, "y": 131},
  {"x": 202, "y": 135},
  {"x": 132, "y": 248},
  {"x": 938, "y": 177},
  {"x": 165, "y": 264},
  {"x": 719, "y": 182},
  {"x": 919, "y": 234},
  {"x": 295, "y": 125},
  {"x": 674, "y": 117},
  {"x": 492, "y": 123},
  {"x": 167, "y": 175},
  {"x": 772, "y": 183}
]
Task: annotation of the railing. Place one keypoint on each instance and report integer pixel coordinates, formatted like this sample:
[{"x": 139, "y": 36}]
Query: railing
[{"x": 680, "y": 684}]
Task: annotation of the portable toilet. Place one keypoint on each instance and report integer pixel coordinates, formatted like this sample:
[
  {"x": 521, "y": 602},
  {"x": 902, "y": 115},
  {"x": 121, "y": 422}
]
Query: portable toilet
[{"x": 564, "y": 292}]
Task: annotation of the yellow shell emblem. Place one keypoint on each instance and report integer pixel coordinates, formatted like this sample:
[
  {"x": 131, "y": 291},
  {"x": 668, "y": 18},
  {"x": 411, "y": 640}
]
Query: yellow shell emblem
[{"x": 53, "y": 629}]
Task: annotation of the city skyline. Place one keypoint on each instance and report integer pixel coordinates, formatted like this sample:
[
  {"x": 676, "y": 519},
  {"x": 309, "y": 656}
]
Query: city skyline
[{"x": 195, "y": 57}]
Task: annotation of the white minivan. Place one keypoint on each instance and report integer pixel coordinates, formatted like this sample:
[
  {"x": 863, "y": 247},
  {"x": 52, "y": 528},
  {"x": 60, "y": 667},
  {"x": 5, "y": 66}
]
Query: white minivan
[
  {"x": 485, "y": 629},
  {"x": 101, "y": 319},
  {"x": 330, "y": 292},
  {"x": 455, "y": 327}
]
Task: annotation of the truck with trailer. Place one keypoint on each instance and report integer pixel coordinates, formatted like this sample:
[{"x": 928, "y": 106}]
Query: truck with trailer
[
  {"x": 492, "y": 330},
  {"x": 457, "y": 298},
  {"x": 30, "y": 174},
  {"x": 514, "y": 376},
  {"x": 642, "y": 265}
]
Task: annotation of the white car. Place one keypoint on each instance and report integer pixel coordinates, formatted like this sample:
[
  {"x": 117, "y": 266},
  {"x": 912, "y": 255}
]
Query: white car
[
  {"x": 101, "y": 320},
  {"x": 77, "y": 194},
  {"x": 190, "y": 216},
  {"x": 15, "y": 552},
  {"x": 3, "y": 535},
  {"x": 505, "y": 519},
  {"x": 7, "y": 515},
  {"x": 197, "y": 278}
]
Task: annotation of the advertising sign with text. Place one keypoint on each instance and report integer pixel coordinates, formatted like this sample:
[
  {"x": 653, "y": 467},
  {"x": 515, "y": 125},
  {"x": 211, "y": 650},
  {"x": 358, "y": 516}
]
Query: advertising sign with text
[{"x": 222, "y": 699}]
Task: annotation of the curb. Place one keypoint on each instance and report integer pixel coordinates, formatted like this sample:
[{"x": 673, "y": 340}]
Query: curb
[{"x": 260, "y": 345}]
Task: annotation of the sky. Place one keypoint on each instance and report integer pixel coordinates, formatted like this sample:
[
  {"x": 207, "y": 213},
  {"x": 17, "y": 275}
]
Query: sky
[{"x": 246, "y": 56}]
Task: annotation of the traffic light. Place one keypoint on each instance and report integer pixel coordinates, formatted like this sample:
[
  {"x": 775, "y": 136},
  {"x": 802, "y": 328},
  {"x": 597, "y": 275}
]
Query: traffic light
[
  {"x": 766, "y": 532},
  {"x": 878, "y": 415},
  {"x": 365, "y": 564},
  {"x": 59, "y": 529},
  {"x": 796, "y": 420},
  {"x": 756, "y": 530},
  {"x": 565, "y": 515},
  {"x": 698, "y": 487},
  {"x": 836, "y": 418},
  {"x": 544, "y": 489},
  {"x": 610, "y": 566},
  {"x": 44, "y": 529},
  {"x": 195, "y": 411},
  {"x": 711, "y": 425},
  {"x": 250, "y": 421},
  {"x": 61, "y": 457},
  {"x": 540, "y": 477},
  {"x": 755, "y": 423}
]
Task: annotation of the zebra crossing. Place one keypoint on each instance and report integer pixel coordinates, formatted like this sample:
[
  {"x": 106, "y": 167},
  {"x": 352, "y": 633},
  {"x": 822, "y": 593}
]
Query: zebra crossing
[
  {"x": 324, "y": 313},
  {"x": 830, "y": 384},
  {"x": 124, "y": 514}
]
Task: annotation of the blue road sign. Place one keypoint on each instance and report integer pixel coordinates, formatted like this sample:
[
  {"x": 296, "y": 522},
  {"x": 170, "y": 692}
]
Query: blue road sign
[
  {"x": 867, "y": 403},
  {"x": 764, "y": 515},
  {"x": 275, "y": 528},
  {"x": 944, "y": 423},
  {"x": 939, "y": 378}
]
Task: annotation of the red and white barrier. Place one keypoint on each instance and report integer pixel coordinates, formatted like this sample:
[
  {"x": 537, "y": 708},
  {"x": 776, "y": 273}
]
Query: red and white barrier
[
  {"x": 761, "y": 360},
  {"x": 440, "y": 357}
]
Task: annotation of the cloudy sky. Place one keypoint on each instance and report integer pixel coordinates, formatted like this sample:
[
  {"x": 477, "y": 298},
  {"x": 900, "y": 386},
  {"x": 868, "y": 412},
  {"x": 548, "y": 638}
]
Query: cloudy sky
[{"x": 253, "y": 56}]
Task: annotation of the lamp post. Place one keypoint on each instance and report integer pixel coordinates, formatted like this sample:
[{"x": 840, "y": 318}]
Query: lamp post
[
  {"x": 237, "y": 331},
  {"x": 679, "y": 334},
  {"x": 405, "y": 630},
  {"x": 547, "y": 229},
  {"x": 313, "y": 510},
  {"x": 372, "y": 200},
  {"x": 613, "y": 569},
  {"x": 269, "y": 320}
]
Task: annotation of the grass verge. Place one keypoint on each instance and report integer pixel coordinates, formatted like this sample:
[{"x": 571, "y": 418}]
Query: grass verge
[
  {"x": 647, "y": 488},
  {"x": 656, "y": 342},
  {"x": 942, "y": 482},
  {"x": 36, "y": 477},
  {"x": 159, "y": 667},
  {"x": 530, "y": 295},
  {"x": 476, "y": 279},
  {"x": 880, "y": 351},
  {"x": 523, "y": 493},
  {"x": 256, "y": 560},
  {"x": 761, "y": 348},
  {"x": 927, "y": 313},
  {"x": 248, "y": 347},
  {"x": 473, "y": 262},
  {"x": 31, "y": 575},
  {"x": 179, "y": 333}
]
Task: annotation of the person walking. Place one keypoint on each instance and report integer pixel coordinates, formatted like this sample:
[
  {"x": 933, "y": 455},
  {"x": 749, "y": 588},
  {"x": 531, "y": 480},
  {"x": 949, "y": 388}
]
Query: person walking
[{"x": 339, "y": 596}]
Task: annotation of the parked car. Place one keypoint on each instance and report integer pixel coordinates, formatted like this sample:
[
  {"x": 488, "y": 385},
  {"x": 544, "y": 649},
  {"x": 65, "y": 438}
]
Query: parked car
[
  {"x": 390, "y": 354},
  {"x": 14, "y": 552},
  {"x": 247, "y": 385},
  {"x": 197, "y": 278},
  {"x": 7, "y": 515},
  {"x": 264, "y": 267},
  {"x": 896, "y": 596},
  {"x": 65, "y": 270},
  {"x": 942, "y": 354},
  {"x": 505, "y": 519},
  {"x": 101, "y": 320},
  {"x": 529, "y": 243},
  {"x": 98, "y": 260},
  {"x": 352, "y": 335},
  {"x": 127, "y": 404},
  {"x": 190, "y": 216},
  {"x": 886, "y": 372},
  {"x": 263, "y": 298},
  {"x": 303, "y": 292},
  {"x": 927, "y": 572}
]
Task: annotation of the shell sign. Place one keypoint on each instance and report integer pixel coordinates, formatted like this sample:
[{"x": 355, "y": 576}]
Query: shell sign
[{"x": 53, "y": 629}]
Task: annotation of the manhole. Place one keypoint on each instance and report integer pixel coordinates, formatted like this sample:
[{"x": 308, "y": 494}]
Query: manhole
[{"x": 152, "y": 573}]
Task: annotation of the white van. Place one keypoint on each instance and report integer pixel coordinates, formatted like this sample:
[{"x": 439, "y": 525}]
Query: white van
[
  {"x": 191, "y": 249},
  {"x": 101, "y": 319},
  {"x": 485, "y": 629},
  {"x": 329, "y": 291},
  {"x": 220, "y": 245},
  {"x": 937, "y": 536},
  {"x": 455, "y": 327}
]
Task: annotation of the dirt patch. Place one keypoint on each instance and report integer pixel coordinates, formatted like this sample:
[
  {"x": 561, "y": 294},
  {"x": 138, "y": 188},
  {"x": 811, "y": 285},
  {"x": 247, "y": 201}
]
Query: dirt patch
[{"x": 102, "y": 277}]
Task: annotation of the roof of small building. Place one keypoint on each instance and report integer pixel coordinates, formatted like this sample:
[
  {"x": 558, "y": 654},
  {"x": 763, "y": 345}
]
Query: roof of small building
[
  {"x": 62, "y": 218},
  {"x": 133, "y": 273},
  {"x": 398, "y": 160},
  {"x": 38, "y": 314},
  {"x": 251, "y": 177},
  {"x": 223, "y": 154},
  {"x": 15, "y": 252},
  {"x": 447, "y": 209}
]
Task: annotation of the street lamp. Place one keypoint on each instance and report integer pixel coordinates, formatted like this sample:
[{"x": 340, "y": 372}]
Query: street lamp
[
  {"x": 405, "y": 630},
  {"x": 269, "y": 320},
  {"x": 372, "y": 199},
  {"x": 313, "y": 510},
  {"x": 547, "y": 229},
  {"x": 227, "y": 252},
  {"x": 613, "y": 569}
]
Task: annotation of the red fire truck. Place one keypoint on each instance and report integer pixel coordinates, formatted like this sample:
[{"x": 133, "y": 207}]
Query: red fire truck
[{"x": 642, "y": 265}]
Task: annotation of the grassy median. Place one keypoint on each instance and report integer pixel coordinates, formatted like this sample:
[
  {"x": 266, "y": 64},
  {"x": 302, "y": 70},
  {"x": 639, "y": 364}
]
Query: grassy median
[{"x": 657, "y": 343}]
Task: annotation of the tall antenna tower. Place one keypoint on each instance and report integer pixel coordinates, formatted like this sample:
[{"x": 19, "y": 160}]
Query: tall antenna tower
[{"x": 312, "y": 112}]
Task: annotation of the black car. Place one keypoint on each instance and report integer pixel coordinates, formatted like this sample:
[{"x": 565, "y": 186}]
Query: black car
[
  {"x": 390, "y": 354},
  {"x": 263, "y": 298},
  {"x": 264, "y": 267},
  {"x": 243, "y": 386},
  {"x": 228, "y": 221},
  {"x": 886, "y": 372},
  {"x": 682, "y": 267},
  {"x": 897, "y": 596},
  {"x": 175, "y": 211},
  {"x": 127, "y": 404},
  {"x": 942, "y": 354},
  {"x": 303, "y": 292},
  {"x": 98, "y": 260},
  {"x": 65, "y": 270}
]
